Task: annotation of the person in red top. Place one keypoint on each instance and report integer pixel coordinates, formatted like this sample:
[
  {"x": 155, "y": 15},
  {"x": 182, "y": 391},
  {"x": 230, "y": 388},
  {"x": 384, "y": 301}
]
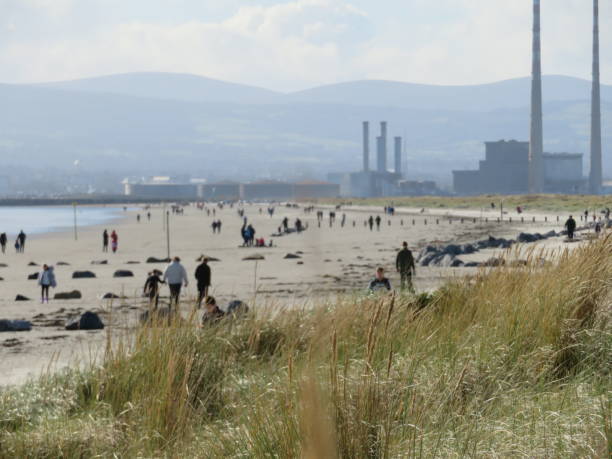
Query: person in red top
[{"x": 114, "y": 241}]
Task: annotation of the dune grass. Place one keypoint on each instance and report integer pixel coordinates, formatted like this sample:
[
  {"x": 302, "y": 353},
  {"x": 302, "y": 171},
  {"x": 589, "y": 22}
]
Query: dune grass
[
  {"x": 513, "y": 362},
  {"x": 543, "y": 202}
]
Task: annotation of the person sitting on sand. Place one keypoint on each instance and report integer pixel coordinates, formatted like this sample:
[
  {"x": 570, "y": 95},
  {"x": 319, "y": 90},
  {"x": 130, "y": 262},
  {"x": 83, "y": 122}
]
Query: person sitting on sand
[
  {"x": 46, "y": 279},
  {"x": 151, "y": 287},
  {"x": 380, "y": 282},
  {"x": 212, "y": 314}
]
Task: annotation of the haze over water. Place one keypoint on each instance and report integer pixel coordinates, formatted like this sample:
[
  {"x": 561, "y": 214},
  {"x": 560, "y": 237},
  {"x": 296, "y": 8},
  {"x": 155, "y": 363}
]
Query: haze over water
[{"x": 39, "y": 220}]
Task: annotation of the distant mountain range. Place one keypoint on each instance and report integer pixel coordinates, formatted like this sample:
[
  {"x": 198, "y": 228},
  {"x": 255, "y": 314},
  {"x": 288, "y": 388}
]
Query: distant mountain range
[
  {"x": 152, "y": 123},
  {"x": 376, "y": 93}
]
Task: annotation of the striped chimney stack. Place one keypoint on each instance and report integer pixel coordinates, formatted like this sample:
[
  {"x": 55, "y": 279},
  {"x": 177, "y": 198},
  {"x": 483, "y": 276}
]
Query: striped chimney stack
[
  {"x": 596, "y": 176},
  {"x": 536, "y": 141}
]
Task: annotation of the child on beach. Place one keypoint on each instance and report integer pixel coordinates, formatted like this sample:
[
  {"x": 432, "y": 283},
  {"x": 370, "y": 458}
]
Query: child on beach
[
  {"x": 46, "y": 279},
  {"x": 114, "y": 241},
  {"x": 151, "y": 287}
]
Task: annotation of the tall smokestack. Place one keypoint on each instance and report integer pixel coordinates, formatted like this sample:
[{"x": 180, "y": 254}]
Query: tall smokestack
[
  {"x": 596, "y": 176},
  {"x": 398, "y": 155},
  {"x": 536, "y": 142},
  {"x": 382, "y": 148},
  {"x": 366, "y": 146}
]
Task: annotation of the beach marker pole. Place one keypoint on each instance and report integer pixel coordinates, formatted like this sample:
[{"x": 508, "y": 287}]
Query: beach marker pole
[
  {"x": 168, "y": 232},
  {"x": 74, "y": 207}
]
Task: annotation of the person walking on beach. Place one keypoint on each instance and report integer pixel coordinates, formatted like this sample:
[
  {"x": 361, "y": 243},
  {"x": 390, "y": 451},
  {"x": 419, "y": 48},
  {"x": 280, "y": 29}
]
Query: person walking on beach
[
  {"x": 46, "y": 279},
  {"x": 371, "y": 222},
  {"x": 105, "y": 241},
  {"x": 151, "y": 287},
  {"x": 203, "y": 276},
  {"x": 175, "y": 276},
  {"x": 3, "y": 241},
  {"x": 378, "y": 220},
  {"x": 380, "y": 282},
  {"x": 114, "y": 241},
  {"x": 22, "y": 239},
  {"x": 406, "y": 267},
  {"x": 570, "y": 225}
]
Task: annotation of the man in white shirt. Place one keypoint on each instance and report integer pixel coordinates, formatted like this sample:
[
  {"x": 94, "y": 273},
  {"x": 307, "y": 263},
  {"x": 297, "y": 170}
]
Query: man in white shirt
[{"x": 175, "y": 275}]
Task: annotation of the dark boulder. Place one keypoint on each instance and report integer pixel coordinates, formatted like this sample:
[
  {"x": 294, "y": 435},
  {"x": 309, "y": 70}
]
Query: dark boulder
[
  {"x": 99, "y": 262},
  {"x": 210, "y": 259},
  {"x": 525, "y": 238},
  {"x": 468, "y": 249},
  {"x": 3, "y": 265},
  {"x": 15, "y": 325},
  {"x": 123, "y": 273},
  {"x": 62, "y": 263},
  {"x": 21, "y": 298},
  {"x": 472, "y": 264},
  {"x": 452, "y": 249},
  {"x": 237, "y": 308},
  {"x": 133, "y": 263},
  {"x": 254, "y": 258},
  {"x": 33, "y": 264},
  {"x": 87, "y": 321},
  {"x": 33, "y": 276},
  {"x": 74, "y": 295},
  {"x": 291, "y": 256},
  {"x": 158, "y": 260},
  {"x": 550, "y": 234},
  {"x": 83, "y": 275},
  {"x": 110, "y": 296}
]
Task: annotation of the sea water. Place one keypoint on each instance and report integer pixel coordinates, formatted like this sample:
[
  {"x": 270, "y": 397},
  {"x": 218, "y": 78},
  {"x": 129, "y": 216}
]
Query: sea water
[{"x": 40, "y": 220}]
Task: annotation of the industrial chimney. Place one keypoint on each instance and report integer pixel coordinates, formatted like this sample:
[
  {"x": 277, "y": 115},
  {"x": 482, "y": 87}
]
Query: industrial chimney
[
  {"x": 596, "y": 177},
  {"x": 398, "y": 155},
  {"x": 536, "y": 141},
  {"x": 366, "y": 146},
  {"x": 382, "y": 148}
]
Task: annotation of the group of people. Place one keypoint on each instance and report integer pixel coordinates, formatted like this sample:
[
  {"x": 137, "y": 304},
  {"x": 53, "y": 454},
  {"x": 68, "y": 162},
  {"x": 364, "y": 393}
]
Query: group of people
[
  {"x": 114, "y": 241},
  {"x": 216, "y": 226},
  {"x": 19, "y": 242},
  {"x": 373, "y": 220},
  {"x": 248, "y": 234}
]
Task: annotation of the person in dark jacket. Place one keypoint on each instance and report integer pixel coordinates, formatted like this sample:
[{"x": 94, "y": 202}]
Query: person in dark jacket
[
  {"x": 3, "y": 241},
  {"x": 406, "y": 267},
  {"x": 203, "y": 276},
  {"x": 151, "y": 287},
  {"x": 22, "y": 240},
  {"x": 570, "y": 225},
  {"x": 378, "y": 220},
  {"x": 380, "y": 282},
  {"x": 371, "y": 222},
  {"x": 105, "y": 241}
]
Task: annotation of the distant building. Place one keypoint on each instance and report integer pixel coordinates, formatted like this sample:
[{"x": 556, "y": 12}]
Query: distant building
[
  {"x": 314, "y": 190},
  {"x": 161, "y": 191},
  {"x": 268, "y": 190},
  {"x": 220, "y": 191},
  {"x": 505, "y": 170},
  {"x": 418, "y": 188}
]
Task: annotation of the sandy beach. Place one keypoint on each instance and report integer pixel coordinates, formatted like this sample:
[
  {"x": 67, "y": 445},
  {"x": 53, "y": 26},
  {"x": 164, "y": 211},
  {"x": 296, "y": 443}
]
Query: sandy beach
[{"x": 331, "y": 260}]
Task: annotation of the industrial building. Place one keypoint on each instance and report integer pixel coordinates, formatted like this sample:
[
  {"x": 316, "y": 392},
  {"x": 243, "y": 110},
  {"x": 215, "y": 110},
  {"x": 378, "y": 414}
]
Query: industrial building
[
  {"x": 220, "y": 191},
  {"x": 506, "y": 166},
  {"x": 315, "y": 189},
  {"x": 161, "y": 191}
]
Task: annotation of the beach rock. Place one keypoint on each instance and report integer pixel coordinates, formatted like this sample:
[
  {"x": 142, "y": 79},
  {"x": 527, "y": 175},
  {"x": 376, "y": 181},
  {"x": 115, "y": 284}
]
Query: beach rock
[
  {"x": 237, "y": 308},
  {"x": 550, "y": 234},
  {"x": 15, "y": 325},
  {"x": 74, "y": 295},
  {"x": 254, "y": 258},
  {"x": 123, "y": 273},
  {"x": 62, "y": 263},
  {"x": 299, "y": 252},
  {"x": 33, "y": 276},
  {"x": 87, "y": 321},
  {"x": 300, "y": 262},
  {"x": 525, "y": 238},
  {"x": 472, "y": 264},
  {"x": 452, "y": 249},
  {"x": 83, "y": 275},
  {"x": 3, "y": 265},
  {"x": 33, "y": 264},
  {"x": 468, "y": 249},
  {"x": 99, "y": 262},
  {"x": 21, "y": 298},
  {"x": 110, "y": 296},
  {"x": 133, "y": 263},
  {"x": 1, "y": 278},
  {"x": 291, "y": 256},
  {"x": 158, "y": 260}
]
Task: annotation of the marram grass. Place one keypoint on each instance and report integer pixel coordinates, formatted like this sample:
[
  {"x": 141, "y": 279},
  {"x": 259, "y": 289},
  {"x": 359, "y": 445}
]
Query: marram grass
[{"x": 513, "y": 362}]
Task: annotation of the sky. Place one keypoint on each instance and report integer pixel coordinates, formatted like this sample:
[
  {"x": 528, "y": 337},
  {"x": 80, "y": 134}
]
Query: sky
[{"x": 289, "y": 45}]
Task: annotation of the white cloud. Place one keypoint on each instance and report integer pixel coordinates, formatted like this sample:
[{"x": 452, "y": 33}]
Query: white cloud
[{"x": 292, "y": 44}]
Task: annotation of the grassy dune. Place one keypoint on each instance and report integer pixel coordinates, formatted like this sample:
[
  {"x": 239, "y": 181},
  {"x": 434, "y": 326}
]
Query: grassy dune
[
  {"x": 514, "y": 362},
  {"x": 547, "y": 203}
]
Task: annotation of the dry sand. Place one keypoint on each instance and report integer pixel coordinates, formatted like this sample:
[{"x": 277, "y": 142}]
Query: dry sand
[{"x": 333, "y": 261}]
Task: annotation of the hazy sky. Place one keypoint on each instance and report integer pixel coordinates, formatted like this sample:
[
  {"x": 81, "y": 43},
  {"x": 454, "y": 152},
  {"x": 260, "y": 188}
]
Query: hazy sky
[{"x": 294, "y": 44}]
